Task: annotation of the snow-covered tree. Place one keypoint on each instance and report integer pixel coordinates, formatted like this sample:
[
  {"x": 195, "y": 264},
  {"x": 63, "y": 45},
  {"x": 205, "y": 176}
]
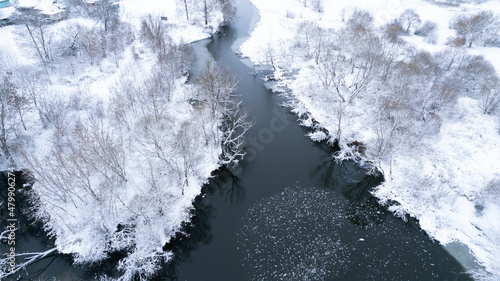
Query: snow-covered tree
[
  {"x": 106, "y": 12},
  {"x": 490, "y": 96},
  {"x": 211, "y": 11},
  {"x": 360, "y": 21},
  {"x": 346, "y": 70},
  {"x": 10, "y": 107},
  {"x": 217, "y": 88},
  {"x": 428, "y": 30},
  {"x": 410, "y": 19},
  {"x": 479, "y": 28},
  {"x": 393, "y": 30}
]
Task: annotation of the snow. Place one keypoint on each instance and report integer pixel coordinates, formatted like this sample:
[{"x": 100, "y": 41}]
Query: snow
[
  {"x": 456, "y": 167},
  {"x": 318, "y": 136},
  {"x": 276, "y": 26},
  {"x": 152, "y": 211},
  {"x": 47, "y": 7},
  {"x": 447, "y": 179},
  {"x": 26, "y": 3},
  {"x": 183, "y": 30},
  {"x": 8, "y": 46},
  {"x": 5, "y": 13}
]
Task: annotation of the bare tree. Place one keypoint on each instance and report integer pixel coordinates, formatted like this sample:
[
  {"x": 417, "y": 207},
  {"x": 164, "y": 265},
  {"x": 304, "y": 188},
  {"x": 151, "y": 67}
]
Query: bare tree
[
  {"x": 450, "y": 58},
  {"x": 480, "y": 27},
  {"x": 428, "y": 30},
  {"x": 8, "y": 59},
  {"x": 177, "y": 58},
  {"x": 8, "y": 93},
  {"x": 490, "y": 98},
  {"x": 360, "y": 21},
  {"x": 33, "y": 86},
  {"x": 234, "y": 126},
  {"x": 477, "y": 74},
  {"x": 217, "y": 88},
  {"x": 345, "y": 70},
  {"x": 410, "y": 19},
  {"x": 393, "y": 127},
  {"x": 40, "y": 37},
  {"x": 155, "y": 33},
  {"x": 186, "y": 7},
  {"x": 186, "y": 143},
  {"x": 389, "y": 53},
  {"x": 312, "y": 41},
  {"x": 93, "y": 41},
  {"x": 13, "y": 105},
  {"x": 154, "y": 96},
  {"x": 393, "y": 30},
  {"x": 317, "y": 5},
  {"x": 102, "y": 145},
  {"x": 106, "y": 11},
  {"x": 205, "y": 11},
  {"x": 56, "y": 112},
  {"x": 228, "y": 11}
]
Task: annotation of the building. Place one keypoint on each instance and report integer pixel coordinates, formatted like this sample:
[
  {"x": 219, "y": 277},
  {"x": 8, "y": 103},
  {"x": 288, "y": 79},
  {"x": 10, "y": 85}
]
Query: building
[
  {"x": 51, "y": 10},
  {"x": 5, "y": 4},
  {"x": 6, "y": 11}
]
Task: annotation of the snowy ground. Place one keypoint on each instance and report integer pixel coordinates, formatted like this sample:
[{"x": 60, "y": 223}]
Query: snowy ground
[
  {"x": 183, "y": 30},
  {"x": 448, "y": 181}
]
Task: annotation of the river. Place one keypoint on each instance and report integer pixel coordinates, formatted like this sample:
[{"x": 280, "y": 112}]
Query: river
[{"x": 288, "y": 211}]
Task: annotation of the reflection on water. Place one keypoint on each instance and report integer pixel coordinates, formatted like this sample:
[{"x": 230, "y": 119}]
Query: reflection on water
[{"x": 227, "y": 184}]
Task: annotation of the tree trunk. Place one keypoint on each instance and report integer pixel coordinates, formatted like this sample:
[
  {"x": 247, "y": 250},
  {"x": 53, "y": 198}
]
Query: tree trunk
[
  {"x": 206, "y": 12},
  {"x": 186, "y": 6},
  {"x": 22, "y": 119},
  {"x": 3, "y": 136},
  {"x": 39, "y": 52}
]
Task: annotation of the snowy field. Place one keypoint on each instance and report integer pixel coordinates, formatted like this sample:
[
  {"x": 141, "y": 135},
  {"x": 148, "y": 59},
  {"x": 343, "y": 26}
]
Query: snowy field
[{"x": 445, "y": 175}]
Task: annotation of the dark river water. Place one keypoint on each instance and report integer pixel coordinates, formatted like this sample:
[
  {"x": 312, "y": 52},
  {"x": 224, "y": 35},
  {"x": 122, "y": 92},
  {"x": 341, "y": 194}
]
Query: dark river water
[{"x": 288, "y": 211}]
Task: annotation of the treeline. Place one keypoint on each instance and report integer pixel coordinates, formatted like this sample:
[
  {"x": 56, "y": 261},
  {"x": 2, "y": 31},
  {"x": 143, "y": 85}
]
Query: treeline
[{"x": 370, "y": 77}]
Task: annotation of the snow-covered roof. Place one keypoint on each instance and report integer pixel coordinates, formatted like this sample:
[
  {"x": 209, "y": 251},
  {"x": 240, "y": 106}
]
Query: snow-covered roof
[
  {"x": 48, "y": 7},
  {"x": 5, "y": 13},
  {"x": 27, "y": 3}
]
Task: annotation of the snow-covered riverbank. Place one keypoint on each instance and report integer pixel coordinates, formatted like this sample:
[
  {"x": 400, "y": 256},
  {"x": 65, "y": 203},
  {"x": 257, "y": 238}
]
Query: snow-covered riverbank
[
  {"x": 108, "y": 127},
  {"x": 440, "y": 161}
]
